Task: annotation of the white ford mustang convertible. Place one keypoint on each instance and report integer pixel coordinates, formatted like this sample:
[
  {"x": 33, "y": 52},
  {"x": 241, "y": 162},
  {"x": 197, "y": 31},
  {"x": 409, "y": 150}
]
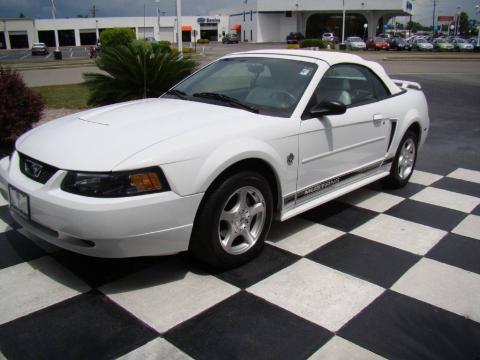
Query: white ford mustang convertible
[{"x": 251, "y": 137}]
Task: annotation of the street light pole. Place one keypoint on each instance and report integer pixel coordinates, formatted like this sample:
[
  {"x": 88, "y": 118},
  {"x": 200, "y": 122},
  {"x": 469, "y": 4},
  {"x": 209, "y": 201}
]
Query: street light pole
[
  {"x": 343, "y": 24},
  {"x": 477, "y": 11},
  {"x": 54, "y": 10},
  {"x": 457, "y": 20},
  {"x": 179, "y": 26}
]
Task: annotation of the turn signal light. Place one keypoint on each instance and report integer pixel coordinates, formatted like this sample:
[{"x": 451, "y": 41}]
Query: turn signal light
[{"x": 146, "y": 182}]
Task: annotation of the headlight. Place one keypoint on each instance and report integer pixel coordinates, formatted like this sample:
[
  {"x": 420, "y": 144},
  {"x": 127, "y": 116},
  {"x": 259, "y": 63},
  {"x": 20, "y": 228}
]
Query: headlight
[{"x": 115, "y": 184}]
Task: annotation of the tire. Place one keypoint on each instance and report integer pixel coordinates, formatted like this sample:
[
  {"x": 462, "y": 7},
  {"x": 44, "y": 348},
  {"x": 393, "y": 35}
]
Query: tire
[
  {"x": 400, "y": 174},
  {"x": 226, "y": 234}
]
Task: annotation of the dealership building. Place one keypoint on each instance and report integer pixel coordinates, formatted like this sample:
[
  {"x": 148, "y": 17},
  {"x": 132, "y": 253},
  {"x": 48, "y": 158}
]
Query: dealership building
[{"x": 253, "y": 20}]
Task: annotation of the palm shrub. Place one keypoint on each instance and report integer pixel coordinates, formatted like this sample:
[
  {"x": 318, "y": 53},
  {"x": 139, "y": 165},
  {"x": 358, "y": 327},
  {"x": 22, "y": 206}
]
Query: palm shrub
[
  {"x": 306, "y": 43},
  {"x": 20, "y": 108},
  {"x": 116, "y": 36},
  {"x": 133, "y": 70}
]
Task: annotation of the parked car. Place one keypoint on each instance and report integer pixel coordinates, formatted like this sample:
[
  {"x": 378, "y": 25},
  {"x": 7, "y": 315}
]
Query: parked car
[
  {"x": 294, "y": 38},
  {"x": 230, "y": 38},
  {"x": 355, "y": 43},
  {"x": 328, "y": 37},
  {"x": 151, "y": 39},
  {"x": 421, "y": 44},
  {"x": 209, "y": 164},
  {"x": 441, "y": 44},
  {"x": 462, "y": 45},
  {"x": 378, "y": 43},
  {"x": 39, "y": 48},
  {"x": 475, "y": 42},
  {"x": 399, "y": 43}
]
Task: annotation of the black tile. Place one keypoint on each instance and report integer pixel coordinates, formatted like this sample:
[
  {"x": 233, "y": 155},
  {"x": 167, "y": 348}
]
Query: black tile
[
  {"x": 88, "y": 326},
  {"x": 460, "y": 186},
  {"x": 399, "y": 327},
  {"x": 431, "y": 215},
  {"x": 339, "y": 215},
  {"x": 476, "y": 211},
  {"x": 459, "y": 251},
  {"x": 247, "y": 327},
  {"x": 7, "y": 218},
  {"x": 16, "y": 248},
  {"x": 99, "y": 271},
  {"x": 407, "y": 191},
  {"x": 270, "y": 260},
  {"x": 368, "y": 260}
]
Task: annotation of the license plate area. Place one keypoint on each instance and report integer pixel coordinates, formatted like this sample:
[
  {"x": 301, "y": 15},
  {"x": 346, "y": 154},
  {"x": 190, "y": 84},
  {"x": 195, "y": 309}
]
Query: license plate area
[{"x": 19, "y": 202}]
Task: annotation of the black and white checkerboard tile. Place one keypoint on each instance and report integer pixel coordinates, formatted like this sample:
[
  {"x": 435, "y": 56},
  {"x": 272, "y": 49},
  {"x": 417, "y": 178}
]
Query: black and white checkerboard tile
[{"x": 376, "y": 274}]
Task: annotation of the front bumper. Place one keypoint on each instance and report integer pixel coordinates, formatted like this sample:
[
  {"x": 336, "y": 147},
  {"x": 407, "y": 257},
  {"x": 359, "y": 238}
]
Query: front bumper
[{"x": 154, "y": 224}]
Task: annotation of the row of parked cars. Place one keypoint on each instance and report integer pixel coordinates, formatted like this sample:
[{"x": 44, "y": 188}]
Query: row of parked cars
[{"x": 420, "y": 43}]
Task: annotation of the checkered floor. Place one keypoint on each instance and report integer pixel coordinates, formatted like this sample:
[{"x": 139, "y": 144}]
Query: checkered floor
[{"x": 392, "y": 274}]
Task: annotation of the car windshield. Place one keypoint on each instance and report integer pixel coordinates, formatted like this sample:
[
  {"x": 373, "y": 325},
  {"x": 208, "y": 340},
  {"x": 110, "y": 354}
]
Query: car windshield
[
  {"x": 378, "y": 39},
  {"x": 270, "y": 86},
  {"x": 38, "y": 44},
  {"x": 441, "y": 41},
  {"x": 421, "y": 41},
  {"x": 355, "y": 39},
  {"x": 460, "y": 41}
]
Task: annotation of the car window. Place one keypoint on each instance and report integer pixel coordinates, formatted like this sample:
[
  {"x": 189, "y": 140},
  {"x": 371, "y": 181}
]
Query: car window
[
  {"x": 274, "y": 86},
  {"x": 350, "y": 84}
]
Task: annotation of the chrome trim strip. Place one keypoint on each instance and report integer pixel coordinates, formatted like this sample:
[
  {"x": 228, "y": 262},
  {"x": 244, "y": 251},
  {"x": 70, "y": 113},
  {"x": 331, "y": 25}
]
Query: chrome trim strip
[{"x": 316, "y": 157}]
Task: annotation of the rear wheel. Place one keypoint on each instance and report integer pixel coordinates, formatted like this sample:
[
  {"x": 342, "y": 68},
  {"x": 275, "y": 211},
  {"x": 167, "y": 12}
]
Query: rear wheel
[
  {"x": 404, "y": 161},
  {"x": 232, "y": 224}
]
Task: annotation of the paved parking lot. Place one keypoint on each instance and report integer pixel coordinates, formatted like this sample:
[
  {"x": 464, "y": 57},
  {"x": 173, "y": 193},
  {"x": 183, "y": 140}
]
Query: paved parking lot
[
  {"x": 69, "y": 52},
  {"x": 378, "y": 273}
]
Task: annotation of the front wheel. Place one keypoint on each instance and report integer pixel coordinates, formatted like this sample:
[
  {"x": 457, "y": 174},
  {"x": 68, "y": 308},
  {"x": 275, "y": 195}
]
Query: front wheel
[
  {"x": 233, "y": 222},
  {"x": 404, "y": 161}
]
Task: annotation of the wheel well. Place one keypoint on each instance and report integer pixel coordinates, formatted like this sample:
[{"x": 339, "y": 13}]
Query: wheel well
[
  {"x": 257, "y": 165},
  {"x": 415, "y": 127}
]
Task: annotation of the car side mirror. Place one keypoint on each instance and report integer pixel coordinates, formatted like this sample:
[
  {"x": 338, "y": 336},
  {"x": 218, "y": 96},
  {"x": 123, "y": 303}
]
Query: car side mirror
[{"x": 328, "y": 108}]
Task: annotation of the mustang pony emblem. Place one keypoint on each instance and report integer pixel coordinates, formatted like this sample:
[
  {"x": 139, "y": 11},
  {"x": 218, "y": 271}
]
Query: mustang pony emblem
[{"x": 32, "y": 168}]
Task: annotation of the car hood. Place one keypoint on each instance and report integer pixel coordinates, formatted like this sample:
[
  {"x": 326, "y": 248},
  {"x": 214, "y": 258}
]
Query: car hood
[{"x": 99, "y": 139}]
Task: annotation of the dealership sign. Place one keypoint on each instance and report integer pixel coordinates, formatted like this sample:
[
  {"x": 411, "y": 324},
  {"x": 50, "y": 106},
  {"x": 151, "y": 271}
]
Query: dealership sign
[
  {"x": 446, "y": 19},
  {"x": 202, "y": 20}
]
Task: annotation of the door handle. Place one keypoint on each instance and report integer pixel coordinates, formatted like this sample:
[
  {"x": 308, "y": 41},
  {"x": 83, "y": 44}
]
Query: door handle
[{"x": 377, "y": 117}]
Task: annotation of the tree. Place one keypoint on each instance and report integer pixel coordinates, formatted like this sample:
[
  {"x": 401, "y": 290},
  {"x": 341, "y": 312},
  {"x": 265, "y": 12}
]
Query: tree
[
  {"x": 117, "y": 36},
  {"x": 134, "y": 69},
  {"x": 464, "y": 25},
  {"x": 416, "y": 26}
]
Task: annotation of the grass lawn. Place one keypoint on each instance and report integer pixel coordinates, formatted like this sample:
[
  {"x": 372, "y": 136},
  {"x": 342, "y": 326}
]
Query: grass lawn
[{"x": 72, "y": 96}]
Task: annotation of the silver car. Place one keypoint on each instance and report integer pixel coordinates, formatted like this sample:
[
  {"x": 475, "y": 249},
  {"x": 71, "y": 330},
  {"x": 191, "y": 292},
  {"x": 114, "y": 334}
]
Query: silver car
[
  {"x": 355, "y": 43},
  {"x": 462, "y": 45},
  {"x": 39, "y": 48},
  {"x": 422, "y": 45}
]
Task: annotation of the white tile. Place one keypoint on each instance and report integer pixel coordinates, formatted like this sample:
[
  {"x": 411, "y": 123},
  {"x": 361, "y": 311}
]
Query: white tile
[
  {"x": 340, "y": 349},
  {"x": 301, "y": 236},
  {"x": 448, "y": 199},
  {"x": 318, "y": 293},
  {"x": 4, "y": 226},
  {"x": 34, "y": 285},
  {"x": 424, "y": 178},
  {"x": 443, "y": 285},
  {"x": 158, "y": 349},
  {"x": 399, "y": 233},
  {"x": 371, "y": 200},
  {"x": 167, "y": 294},
  {"x": 466, "y": 174},
  {"x": 470, "y": 226}
]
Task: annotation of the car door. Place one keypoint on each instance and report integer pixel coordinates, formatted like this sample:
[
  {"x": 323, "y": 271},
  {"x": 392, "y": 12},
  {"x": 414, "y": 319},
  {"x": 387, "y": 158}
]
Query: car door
[{"x": 333, "y": 146}]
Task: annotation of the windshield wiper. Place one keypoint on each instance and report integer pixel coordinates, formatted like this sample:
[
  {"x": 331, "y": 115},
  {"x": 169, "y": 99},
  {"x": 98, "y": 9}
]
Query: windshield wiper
[
  {"x": 178, "y": 93},
  {"x": 226, "y": 99}
]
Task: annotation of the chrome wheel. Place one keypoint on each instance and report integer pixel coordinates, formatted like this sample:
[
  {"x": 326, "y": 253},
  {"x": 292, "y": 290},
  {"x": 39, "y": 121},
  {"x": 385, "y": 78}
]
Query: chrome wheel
[
  {"x": 242, "y": 220},
  {"x": 406, "y": 160}
]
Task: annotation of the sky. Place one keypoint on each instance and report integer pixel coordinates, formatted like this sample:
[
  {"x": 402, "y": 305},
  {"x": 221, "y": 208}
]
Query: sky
[{"x": 107, "y": 8}]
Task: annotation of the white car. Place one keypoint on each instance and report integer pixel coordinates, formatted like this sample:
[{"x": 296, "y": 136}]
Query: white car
[
  {"x": 206, "y": 167},
  {"x": 421, "y": 44},
  {"x": 355, "y": 43},
  {"x": 462, "y": 45},
  {"x": 328, "y": 37}
]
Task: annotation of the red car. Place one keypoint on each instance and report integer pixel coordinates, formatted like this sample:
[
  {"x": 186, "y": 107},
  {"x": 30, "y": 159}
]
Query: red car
[{"x": 378, "y": 43}]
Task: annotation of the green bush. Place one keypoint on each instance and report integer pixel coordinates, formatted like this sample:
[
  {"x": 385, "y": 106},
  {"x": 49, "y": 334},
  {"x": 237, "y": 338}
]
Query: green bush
[
  {"x": 165, "y": 43},
  {"x": 117, "y": 36},
  {"x": 20, "y": 108},
  {"x": 125, "y": 65},
  {"x": 306, "y": 43},
  {"x": 203, "y": 41}
]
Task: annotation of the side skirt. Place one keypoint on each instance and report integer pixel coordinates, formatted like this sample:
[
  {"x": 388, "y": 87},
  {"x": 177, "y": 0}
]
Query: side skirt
[{"x": 341, "y": 188}]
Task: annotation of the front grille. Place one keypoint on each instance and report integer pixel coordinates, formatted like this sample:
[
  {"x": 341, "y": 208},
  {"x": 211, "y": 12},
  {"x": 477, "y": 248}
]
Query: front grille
[{"x": 36, "y": 170}]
